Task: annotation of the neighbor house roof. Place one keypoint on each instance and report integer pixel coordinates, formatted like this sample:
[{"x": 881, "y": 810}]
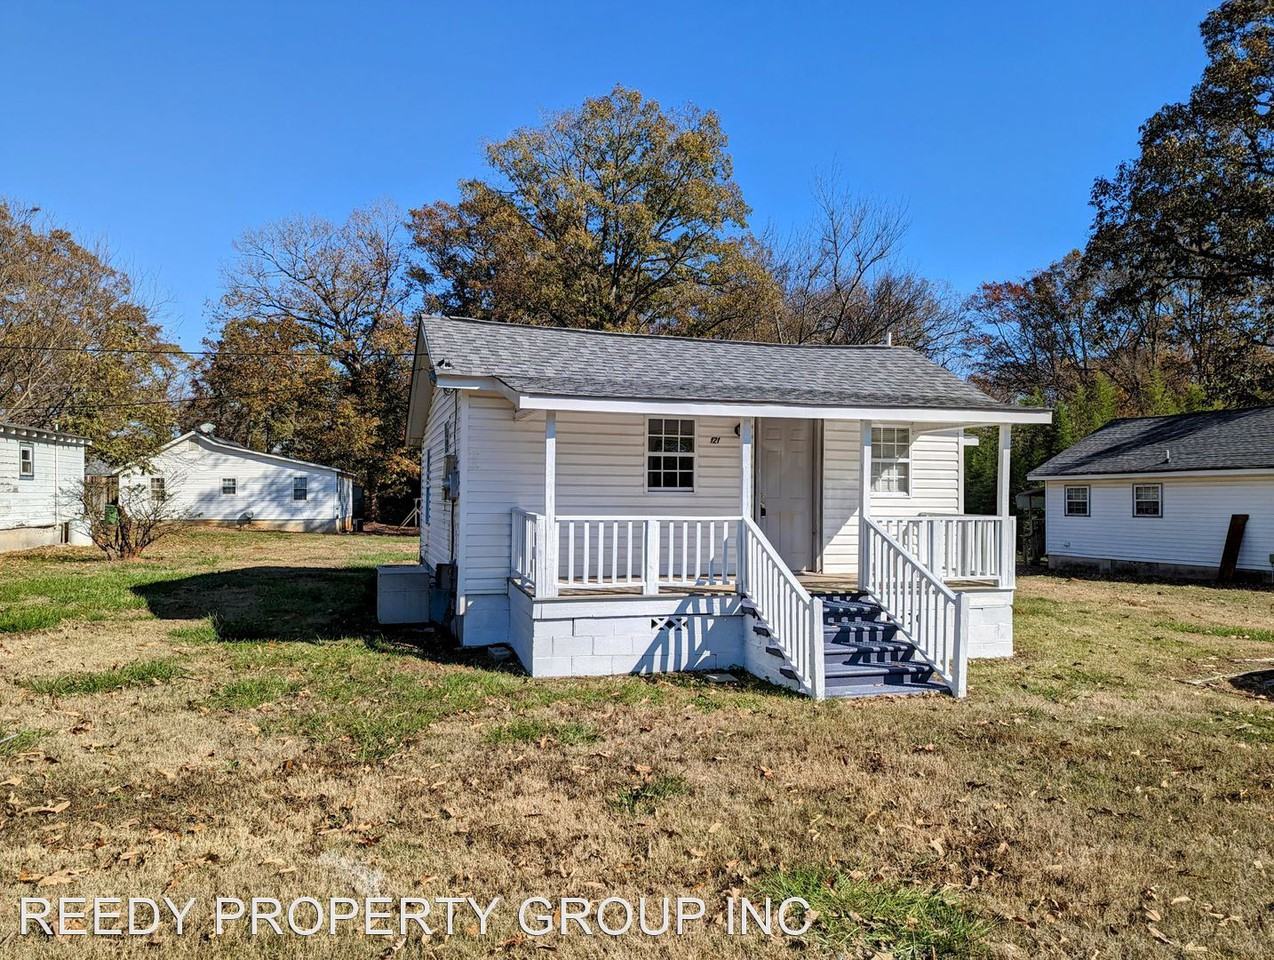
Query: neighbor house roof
[
  {"x": 231, "y": 446},
  {"x": 1213, "y": 440},
  {"x": 584, "y": 363},
  {"x": 40, "y": 433}
]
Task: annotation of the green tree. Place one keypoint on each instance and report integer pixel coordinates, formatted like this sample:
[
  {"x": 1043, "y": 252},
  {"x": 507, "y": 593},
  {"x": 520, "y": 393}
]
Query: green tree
[
  {"x": 1192, "y": 218},
  {"x": 312, "y": 348},
  {"x": 618, "y": 215},
  {"x": 79, "y": 351}
]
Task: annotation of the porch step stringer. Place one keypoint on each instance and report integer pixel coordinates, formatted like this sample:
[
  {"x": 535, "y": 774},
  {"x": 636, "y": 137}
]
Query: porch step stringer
[{"x": 765, "y": 658}]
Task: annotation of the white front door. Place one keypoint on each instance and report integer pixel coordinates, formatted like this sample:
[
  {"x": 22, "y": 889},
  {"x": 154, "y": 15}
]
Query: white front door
[{"x": 785, "y": 488}]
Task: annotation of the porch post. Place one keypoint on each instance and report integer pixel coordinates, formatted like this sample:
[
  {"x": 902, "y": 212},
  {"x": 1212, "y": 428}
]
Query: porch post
[
  {"x": 864, "y": 503},
  {"x": 1008, "y": 539},
  {"x": 550, "y": 505}
]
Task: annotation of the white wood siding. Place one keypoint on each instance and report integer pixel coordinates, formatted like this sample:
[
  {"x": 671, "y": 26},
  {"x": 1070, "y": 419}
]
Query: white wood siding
[
  {"x": 601, "y": 469},
  {"x": 935, "y": 487},
  {"x": 435, "y": 536},
  {"x": 193, "y": 471},
  {"x": 1196, "y": 516},
  {"x": 34, "y": 501}
]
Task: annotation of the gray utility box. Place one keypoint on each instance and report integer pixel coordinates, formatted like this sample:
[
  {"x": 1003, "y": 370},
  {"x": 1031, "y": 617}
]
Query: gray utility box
[{"x": 402, "y": 593}]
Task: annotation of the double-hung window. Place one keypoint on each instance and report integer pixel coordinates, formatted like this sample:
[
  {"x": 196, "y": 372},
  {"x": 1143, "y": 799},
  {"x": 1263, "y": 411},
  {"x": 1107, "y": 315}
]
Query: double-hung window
[
  {"x": 1077, "y": 501},
  {"x": 26, "y": 460},
  {"x": 158, "y": 489},
  {"x": 670, "y": 455},
  {"x": 229, "y": 486},
  {"x": 891, "y": 460},
  {"x": 1147, "y": 500},
  {"x": 300, "y": 488}
]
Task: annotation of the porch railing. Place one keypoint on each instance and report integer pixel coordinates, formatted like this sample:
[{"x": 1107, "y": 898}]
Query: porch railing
[
  {"x": 622, "y": 552},
  {"x": 959, "y": 547},
  {"x": 524, "y": 552},
  {"x": 794, "y": 618},
  {"x": 935, "y": 618}
]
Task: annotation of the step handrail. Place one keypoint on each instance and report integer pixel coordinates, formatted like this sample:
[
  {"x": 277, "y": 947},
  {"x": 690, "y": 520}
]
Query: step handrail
[
  {"x": 933, "y": 616},
  {"x": 793, "y": 616}
]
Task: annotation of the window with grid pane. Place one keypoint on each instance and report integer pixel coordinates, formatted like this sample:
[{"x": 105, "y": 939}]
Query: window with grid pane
[
  {"x": 1076, "y": 501},
  {"x": 158, "y": 488},
  {"x": 891, "y": 460},
  {"x": 670, "y": 455},
  {"x": 300, "y": 488},
  {"x": 1147, "y": 500}
]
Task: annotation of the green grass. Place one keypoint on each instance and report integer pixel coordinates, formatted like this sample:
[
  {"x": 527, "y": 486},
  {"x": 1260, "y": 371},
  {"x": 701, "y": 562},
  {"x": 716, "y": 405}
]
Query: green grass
[
  {"x": 252, "y": 692},
  {"x": 201, "y": 631},
  {"x": 646, "y": 797},
  {"x": 1217, "y": 630},
  {"x": 44, "y": 600},
  {"x": 141, "y": 673},
  {"x": 906, "y": 923},
  {"x": 530, "y": 730},
  {"x": 17, "y": 741},
  {"x": 1247, "y": 726}
]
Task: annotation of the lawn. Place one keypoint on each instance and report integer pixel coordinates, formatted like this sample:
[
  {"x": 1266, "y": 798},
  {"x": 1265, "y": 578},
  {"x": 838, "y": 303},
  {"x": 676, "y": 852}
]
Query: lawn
[{"x": 224, "y": 718}]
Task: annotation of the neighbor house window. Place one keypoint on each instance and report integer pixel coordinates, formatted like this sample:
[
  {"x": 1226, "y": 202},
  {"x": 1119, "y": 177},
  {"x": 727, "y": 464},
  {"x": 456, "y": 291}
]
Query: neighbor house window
[
  {"x": 157, "y": 489},
  {"x": 1077, "y": 501},
  {"x": 891, "y": 460},
  {"x": 26, "y": 460},
  {"x": 670, "y": 455},
  {"x": 228, "y": 485},
  {"x": 1147, "y": 500},
  {"x": 300, "y": 488}
]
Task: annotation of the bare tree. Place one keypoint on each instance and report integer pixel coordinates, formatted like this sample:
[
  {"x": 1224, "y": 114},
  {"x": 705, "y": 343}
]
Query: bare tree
[
  {"x": 841, "y": 282},
  {"x": 137, "y": 518}
]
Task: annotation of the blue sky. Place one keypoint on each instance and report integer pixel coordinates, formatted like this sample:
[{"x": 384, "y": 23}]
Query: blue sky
[{"x": 164, "y": 130}]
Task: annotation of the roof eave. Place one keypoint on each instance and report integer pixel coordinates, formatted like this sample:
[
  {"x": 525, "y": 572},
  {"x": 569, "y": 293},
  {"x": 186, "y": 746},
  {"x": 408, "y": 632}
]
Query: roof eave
[
  {"x": 1154, "y": 472},
  {"x": 682, "y": 407}
]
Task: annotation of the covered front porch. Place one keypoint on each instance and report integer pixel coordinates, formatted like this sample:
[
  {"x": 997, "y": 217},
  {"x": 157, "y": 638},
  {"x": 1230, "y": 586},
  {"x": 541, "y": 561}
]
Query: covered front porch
[{"x": 827, "y": 551}]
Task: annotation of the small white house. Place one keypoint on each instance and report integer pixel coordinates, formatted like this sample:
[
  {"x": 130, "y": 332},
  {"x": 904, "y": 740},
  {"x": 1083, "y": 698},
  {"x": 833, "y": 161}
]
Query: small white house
[
  {"x": 609, "y": 503},
  {"x": 221, "y": 482},
  {"x": 1158, "y": 495},
  {"x": 40, "y": 474}
]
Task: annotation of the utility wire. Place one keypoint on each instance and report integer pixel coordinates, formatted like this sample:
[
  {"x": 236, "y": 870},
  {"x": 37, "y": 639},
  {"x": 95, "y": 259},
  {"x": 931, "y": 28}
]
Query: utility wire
[
  {"x": 149, "y": 403},
  {"x": 163, "y": 351}
]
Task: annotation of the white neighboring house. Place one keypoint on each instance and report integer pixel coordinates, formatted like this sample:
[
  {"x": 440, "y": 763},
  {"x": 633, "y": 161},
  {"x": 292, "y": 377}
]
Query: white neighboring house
[
  {"x": 609, "y": 503},
  {"x": 218, "y": 481},
  {"x": 1155, "y": 495},
  {"x": 40, "y": 474}
]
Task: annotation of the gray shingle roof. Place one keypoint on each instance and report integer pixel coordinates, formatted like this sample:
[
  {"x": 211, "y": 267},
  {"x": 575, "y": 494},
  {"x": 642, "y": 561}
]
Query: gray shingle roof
[
  {"x": 1215, "y": 440},
  {"x": 584, "y": 363}
]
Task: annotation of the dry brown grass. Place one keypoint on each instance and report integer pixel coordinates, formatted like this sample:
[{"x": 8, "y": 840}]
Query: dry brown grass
[{"x": 1084, "y": 801}]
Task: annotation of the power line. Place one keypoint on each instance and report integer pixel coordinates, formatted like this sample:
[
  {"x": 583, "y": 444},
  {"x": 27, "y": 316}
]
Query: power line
[
  {"x": 149, "y": 403},
  {"x": 165, "y": 351}
]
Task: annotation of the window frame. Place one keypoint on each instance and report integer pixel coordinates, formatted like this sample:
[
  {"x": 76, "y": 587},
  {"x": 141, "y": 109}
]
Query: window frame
[
  {"x": 26, "y": 472},
  {"x": 163, "y": 488},
  {"x": 305, "y": 489},
  {"x": 1159, "y": 499},
  {"x": 1066, "y": 500},
  {"x": 877, "y": 445},
  {"x": 234, "y": 486},
  {"x": 692, "y": 455}
]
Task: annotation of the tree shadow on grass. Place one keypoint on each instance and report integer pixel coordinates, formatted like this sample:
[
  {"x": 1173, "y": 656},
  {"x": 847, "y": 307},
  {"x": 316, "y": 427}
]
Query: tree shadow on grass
[{"x": 298, "y": 604}]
